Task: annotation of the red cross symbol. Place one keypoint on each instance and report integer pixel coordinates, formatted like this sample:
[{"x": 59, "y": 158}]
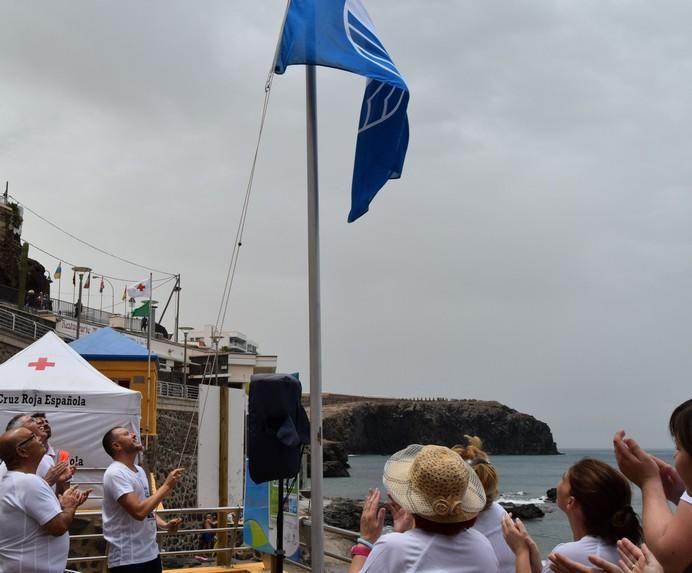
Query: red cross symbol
[
  {"x": 140, "y": 287},
  {"x": 41, "y": 364}
]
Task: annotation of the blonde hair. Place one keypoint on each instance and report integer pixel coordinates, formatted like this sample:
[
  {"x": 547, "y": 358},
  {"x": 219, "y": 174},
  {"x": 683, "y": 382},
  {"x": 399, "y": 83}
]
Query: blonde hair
[{"x": 473, "y": 453}]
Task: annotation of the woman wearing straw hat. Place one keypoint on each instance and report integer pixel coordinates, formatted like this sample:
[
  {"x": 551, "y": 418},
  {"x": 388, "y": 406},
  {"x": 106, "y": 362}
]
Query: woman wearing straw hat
[{"x": 435, "y": 498}]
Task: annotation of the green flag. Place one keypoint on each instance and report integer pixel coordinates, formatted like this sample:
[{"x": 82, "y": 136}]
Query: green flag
[{"x": 142, "y": 311}]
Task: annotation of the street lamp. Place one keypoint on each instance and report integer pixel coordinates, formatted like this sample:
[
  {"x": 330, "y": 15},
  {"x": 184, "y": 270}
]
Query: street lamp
[
  {"x": 185, "y": 330},
  {"x": 81, "y": 271},
  {"x": 215, "y": 339},
  {"x": 151, "y": 322}
]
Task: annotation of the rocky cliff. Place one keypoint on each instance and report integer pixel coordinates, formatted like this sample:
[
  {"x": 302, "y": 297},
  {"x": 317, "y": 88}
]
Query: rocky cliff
[{"x": 383, "y": 426}]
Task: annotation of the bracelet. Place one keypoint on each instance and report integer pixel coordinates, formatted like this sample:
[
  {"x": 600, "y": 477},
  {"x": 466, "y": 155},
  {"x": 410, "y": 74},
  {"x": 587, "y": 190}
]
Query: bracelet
[
  {"x": 363, "y": 541},
  {"x": 361, "y": 550}
]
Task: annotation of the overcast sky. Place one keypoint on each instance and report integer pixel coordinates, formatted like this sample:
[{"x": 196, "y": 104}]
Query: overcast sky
[{"x": 537, "y": 251}]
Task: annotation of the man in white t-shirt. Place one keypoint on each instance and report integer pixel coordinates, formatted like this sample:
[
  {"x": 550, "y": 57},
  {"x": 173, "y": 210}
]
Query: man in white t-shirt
[
  {"x": 54, "y": 474},
  {"x": 33, "y": 525},
  {"x": 129, "y": 520}
]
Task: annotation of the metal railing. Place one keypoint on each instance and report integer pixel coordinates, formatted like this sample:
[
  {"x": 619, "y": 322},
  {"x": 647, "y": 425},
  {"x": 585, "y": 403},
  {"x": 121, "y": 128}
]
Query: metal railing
[
  {"x": 229, "y": 533},
  {"x": 69, "y": 309},
  {"x": 231, "y": 548},
  {"x": 175, "y": 390},
  {"x": 306, "y": 523},
  {"x": 21, "y": 325}
]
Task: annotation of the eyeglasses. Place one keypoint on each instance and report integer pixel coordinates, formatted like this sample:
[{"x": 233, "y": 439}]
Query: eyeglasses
[{"x": 24, "y": 442}]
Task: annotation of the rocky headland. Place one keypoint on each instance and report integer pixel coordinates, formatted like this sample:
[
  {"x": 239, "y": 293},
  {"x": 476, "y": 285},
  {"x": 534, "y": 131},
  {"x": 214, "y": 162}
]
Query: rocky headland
[
  {"x": 382, "y": 426},
  {"x": 345, "y": 512}
]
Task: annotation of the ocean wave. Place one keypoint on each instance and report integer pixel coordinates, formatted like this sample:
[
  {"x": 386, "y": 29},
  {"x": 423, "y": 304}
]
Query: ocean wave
[{"x": 509, "y": 498}]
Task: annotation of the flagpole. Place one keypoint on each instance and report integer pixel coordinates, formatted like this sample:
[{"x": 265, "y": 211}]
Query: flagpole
[
  {"x": 59, "y": 285},
  {"x": 314, "y": 308},
  {"x": 89, "y": 293},
  {"x": 177, "y": 306},
  {"x": 150, "y": 325}
]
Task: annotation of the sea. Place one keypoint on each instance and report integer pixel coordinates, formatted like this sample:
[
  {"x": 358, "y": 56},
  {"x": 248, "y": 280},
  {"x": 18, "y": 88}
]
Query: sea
[{"x": 523, "y": 479}]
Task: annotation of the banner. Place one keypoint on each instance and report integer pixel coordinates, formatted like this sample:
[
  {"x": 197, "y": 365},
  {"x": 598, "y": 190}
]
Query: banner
[{"x": 261, "y": 509}]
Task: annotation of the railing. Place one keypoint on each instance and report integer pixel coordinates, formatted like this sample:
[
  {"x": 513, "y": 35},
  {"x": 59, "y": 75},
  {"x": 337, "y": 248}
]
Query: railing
[
  {"x": 228, "y": 547},
  {"x": 226, "y": 539},
  {"x": 65, "y": 308},
  {"x": 306, "y": 524},
  {"x": 175, "y": 390},
  {"x": 21, "y": 325}
]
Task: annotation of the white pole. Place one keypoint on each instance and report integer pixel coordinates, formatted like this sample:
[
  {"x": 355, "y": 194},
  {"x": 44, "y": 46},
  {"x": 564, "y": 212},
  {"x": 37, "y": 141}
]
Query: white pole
[
  {"x": 150, "y": 321},
  {"x": 317, "y": 516},
  {"x": 59, "y": 285}
]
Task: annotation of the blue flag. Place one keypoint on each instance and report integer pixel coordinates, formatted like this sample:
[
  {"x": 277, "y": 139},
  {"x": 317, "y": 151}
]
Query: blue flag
[{"x": 339, "y": 34}]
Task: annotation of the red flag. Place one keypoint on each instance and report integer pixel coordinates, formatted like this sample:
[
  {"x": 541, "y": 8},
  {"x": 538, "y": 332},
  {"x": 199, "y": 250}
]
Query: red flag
[
  {"x": 87, "y": 284},
  {"x": 101, "y": 286}
]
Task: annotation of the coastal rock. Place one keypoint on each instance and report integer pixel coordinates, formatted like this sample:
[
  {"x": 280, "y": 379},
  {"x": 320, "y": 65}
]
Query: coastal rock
[
  {"x": 383, "y": 426},
  {"x": 551, "y": 494},
  {"x": 334, "y": 459},
  {"x": 345, "y": 513},
  {"x": 523, "y": 511},
  {"x": 334, "y": 470}
]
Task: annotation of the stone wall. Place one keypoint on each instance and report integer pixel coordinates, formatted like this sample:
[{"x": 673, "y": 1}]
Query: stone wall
[
  {"x": 9, "y": 346},
  {"x": 175, "y": 447}
]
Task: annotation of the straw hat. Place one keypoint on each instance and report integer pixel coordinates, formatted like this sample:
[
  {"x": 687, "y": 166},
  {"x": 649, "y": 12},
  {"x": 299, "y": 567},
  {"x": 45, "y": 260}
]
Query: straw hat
[{"x": 435, "y": 483}]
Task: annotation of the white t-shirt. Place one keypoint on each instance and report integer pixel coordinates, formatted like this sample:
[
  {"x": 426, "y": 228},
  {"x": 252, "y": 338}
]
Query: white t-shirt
[
  {"x": 43, "y": 466},
  {"x": 129, "y": 540},
  {"x": 686, "y": 497},
  {"x": 580, "y": 550},
  {"x": 416, "y": 550},
  {"x": 489, "y": 524},
  {"x": 26, "y": 504}
]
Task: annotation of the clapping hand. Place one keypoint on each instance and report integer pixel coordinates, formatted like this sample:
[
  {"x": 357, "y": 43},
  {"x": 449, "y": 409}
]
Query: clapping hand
[
  {"x": 59, "y": 473},
  {"x": 372, "y": 518},
  {"x": 673, "y": 486},
  {"x": 520, "y": 542},
  {"x": 633, "y": 461},
  {"x": 632, "y": 560},
  {"x": 173, "y": 524},
  {"x": 403, "y": 520},
  {"x": 637, "y": 560},
  {"x": 561, "y": 564},
  {"x": 73, "y": 497}
]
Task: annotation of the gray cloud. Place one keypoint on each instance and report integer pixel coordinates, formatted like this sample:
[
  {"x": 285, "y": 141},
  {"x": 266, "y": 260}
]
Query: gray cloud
[{"x": 536, "y": 251}]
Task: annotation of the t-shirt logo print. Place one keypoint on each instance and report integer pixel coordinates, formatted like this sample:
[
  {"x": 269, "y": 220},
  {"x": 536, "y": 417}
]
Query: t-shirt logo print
[{"x": 150, "y": 515}]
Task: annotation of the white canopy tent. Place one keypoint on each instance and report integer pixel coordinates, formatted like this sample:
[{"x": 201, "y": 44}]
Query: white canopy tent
[{"x": 81, "y": 404}]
